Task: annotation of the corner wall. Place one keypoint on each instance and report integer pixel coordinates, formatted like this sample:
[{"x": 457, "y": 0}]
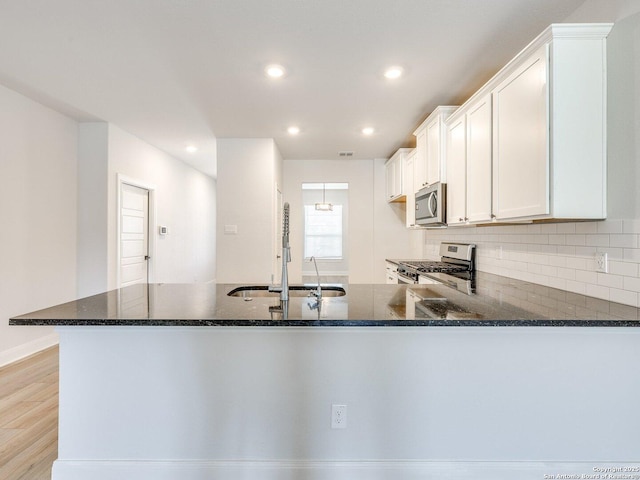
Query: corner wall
[
  {"x": 185, "y": 202},
  {"x": 248, "y": 174},
  {"x": 38, "y": 198}
]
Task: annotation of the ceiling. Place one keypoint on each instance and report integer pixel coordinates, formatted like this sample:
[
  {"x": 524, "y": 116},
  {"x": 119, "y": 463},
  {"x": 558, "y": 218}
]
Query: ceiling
[{"x": 182, "y": 72}]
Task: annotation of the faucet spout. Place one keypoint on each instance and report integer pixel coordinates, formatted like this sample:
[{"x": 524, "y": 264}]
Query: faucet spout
[
  {"x": 283, "y": 288},
  {"x": 318, "y": 292}
]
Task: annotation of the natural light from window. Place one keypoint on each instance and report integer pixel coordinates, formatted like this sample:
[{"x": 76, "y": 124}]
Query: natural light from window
[{"x": 325, "y": 229}]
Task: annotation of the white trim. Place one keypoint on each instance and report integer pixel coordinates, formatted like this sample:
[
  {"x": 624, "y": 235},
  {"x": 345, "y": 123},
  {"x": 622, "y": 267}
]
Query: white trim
[
  {"x": 21, "y": 351},
  {"x": 331, "y": 470},
  {"x": 124, "y": 180}
]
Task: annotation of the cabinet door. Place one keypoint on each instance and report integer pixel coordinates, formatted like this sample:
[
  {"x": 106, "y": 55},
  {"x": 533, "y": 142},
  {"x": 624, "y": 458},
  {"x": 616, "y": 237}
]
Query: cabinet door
[
  {"x": 521, "y": 153},
  {"x": 433, "y": 151},
  {"x": 420, "y": 164},
  {"x": 479, "y": 144},
  {"x": 397, "y": 176},
  {"x": 456, "y": 172},
  {"x": 390, "y": 172},
  {"x": 408, "y": 174}
]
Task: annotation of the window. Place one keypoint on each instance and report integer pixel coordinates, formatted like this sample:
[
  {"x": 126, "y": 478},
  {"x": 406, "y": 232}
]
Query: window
[{"x": 323, "y": 232}]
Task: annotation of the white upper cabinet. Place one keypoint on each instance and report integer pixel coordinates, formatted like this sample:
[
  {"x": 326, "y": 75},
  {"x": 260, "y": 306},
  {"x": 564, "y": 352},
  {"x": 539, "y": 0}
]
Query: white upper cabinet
[
  {"x": 530, "y": 145},
  {"x": 469, "y": 144},
  {"x": 521, "y": 156},
  {"x": 396, "y": 188},
  {"x": 457, "y": 171},
  {"x": 431, "y": 148},
  {"x": 479, "y": 160},
  {"x": 549, "y": 127}
]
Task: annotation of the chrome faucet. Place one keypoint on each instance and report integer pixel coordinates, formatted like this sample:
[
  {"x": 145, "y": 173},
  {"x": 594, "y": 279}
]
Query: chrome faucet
[
  {"x": 283, "y": 288},
  {"x": 318, "y": 292}
]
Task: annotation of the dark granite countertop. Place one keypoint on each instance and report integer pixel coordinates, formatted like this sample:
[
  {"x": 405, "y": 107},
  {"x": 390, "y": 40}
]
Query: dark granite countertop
[{"x": 499, "y": 301}]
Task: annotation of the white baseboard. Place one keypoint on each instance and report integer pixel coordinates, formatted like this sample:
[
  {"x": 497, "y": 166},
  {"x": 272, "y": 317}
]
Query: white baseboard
[
  {"x": 21, "y": 351},
  {"x": 337, "y": 470}
]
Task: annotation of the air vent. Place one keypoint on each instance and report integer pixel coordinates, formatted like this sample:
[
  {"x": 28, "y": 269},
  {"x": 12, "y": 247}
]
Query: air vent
[{"x": 345, "y": 154}]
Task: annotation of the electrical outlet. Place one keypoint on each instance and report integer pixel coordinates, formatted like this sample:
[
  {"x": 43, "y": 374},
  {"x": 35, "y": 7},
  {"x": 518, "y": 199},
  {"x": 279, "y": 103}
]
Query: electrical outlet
[
  {"x": 602, "y": 262},
  {"x": 338, "y": 416}
]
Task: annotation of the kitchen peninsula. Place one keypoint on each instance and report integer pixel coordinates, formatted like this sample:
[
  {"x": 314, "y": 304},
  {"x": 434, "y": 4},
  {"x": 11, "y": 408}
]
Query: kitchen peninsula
[{"x": 184, "y": 381}]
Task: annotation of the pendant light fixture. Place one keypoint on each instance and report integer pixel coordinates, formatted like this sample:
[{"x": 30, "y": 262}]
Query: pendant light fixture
[{"x": 324, "y": 206}]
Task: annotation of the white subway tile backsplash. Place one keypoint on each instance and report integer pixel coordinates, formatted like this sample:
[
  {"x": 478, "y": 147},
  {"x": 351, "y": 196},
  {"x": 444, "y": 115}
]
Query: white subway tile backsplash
[
  {"x": 569, "y": 250},
  {"x": 566, "y": 228},
  {"x": 598, "y": 291},
  {"x": 625, "y": 241},
  {"x": 587, "y": 252},
  {"x": 586, "y": 227},
  {"x": 608, "y": 280},
  {"x": 610, "y": 226},
  {"x": 560, "y": 283},
  {"x": 576, "y": 262},
  {"x": 576, "y": 239},
  {"x": 632, "y": 284},
  {"x": 599, "y": 240},
  {"x": 614, "y": 253},
  {"x": 558, "y": 255},
  {"x": 631, "y": 254},
  {"x": 587, "y": 276},
  {"x": 567, "y": 273},
  {"x": 626, "y": 269},
  {"x": 557, "y": 260},
  {"x": 631, "y": 226},
  {"x": 558, "y": 239},
  {"x": 623, "y": 296},
  {"x": 576, "y": 287}
]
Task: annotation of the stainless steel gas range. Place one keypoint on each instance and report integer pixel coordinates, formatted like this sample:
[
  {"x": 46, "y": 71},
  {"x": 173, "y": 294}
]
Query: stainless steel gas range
[{"x": 456, "y": 268}]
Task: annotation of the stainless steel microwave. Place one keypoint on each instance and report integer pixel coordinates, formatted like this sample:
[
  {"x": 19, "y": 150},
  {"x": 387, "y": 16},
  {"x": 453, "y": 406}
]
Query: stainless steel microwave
[{"x": 430, "y": 206}]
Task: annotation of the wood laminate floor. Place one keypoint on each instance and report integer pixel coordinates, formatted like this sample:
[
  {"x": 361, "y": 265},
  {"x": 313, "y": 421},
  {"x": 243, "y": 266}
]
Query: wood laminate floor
[{"x": 29, "y": 417}]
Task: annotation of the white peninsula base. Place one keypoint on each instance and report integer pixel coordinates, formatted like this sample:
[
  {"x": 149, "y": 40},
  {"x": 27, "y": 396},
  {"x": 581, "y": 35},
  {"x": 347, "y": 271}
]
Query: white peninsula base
[{"x": 165, "y": 403}]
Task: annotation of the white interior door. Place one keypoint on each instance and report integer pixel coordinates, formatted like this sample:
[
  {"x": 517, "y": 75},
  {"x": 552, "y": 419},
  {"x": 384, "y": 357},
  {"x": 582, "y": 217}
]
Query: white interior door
[{"x": 134, "y": 235}]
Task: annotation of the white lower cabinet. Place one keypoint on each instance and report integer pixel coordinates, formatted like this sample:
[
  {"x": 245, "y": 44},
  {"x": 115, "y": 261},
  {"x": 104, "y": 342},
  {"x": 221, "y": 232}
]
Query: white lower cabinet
[{"x": 391, "y": 273}]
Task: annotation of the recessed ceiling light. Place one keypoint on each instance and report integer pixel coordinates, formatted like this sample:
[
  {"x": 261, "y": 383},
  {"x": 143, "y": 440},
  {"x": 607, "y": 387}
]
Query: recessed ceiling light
[
  {"x": 274, "y": 71},
  {"x": 293, "y": 130},
  {"x": 191, "y": 149},
  {"x": 393, "y": 72},
  {"x": 368, "y": 131}
]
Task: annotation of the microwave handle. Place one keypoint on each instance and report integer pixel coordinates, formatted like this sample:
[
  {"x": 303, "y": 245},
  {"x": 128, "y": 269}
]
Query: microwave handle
[{"x": 432, "y": 204}]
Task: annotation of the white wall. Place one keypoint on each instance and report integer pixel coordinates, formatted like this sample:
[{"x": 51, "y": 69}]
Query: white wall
[
  {"x": 93, "y": 154},
  {"x": 376, "y": 228},
  {"x": 184, "y": 198},
  {"x": 38, "y": 163},
  {"x": 249, "y": 172},
  {"x": 562, "y": 255},
  {"x": 185, "y": 202}
]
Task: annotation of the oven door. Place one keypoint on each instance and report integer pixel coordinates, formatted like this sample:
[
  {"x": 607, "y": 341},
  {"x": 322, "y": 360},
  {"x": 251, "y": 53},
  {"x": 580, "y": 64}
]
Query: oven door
[
  {"x": 430, "y": 205},
  {"x": 402, "y": 280}
]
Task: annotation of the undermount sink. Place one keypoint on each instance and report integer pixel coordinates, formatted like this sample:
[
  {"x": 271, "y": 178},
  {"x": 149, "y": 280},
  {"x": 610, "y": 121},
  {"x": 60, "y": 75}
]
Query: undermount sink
[{"x": 250, "y": 291}]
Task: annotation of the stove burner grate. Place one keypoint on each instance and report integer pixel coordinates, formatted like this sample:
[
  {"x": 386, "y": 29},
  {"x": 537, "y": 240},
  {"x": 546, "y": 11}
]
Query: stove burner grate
[{"x": 443, "y": 267}]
